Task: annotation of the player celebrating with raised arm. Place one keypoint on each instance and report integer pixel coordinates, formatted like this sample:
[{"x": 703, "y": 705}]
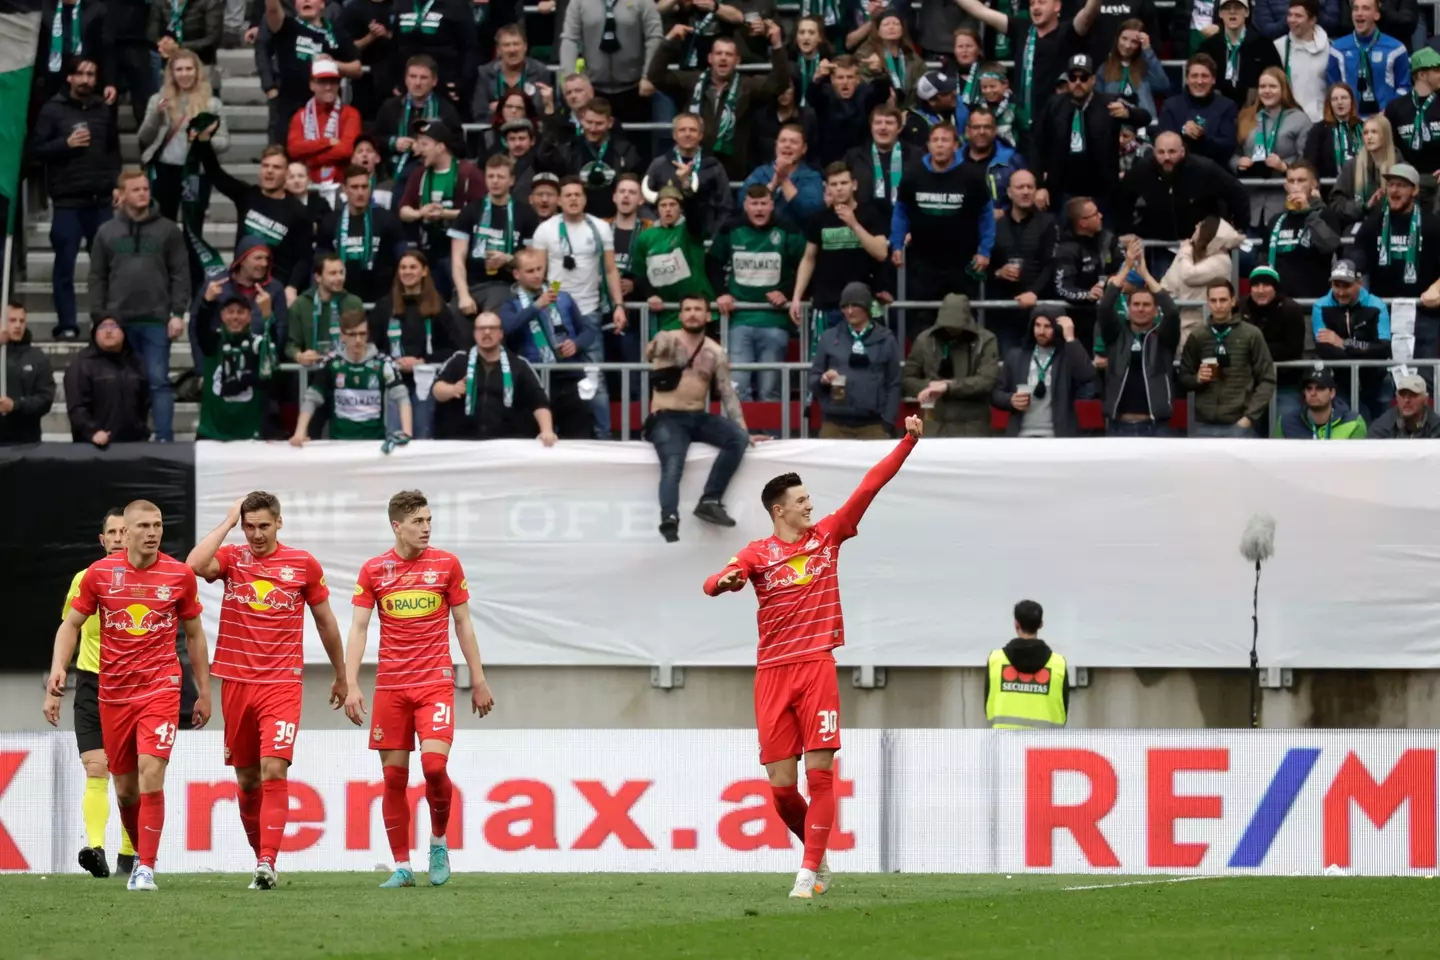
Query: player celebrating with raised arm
[
  {"x": 260, "y": 654},
  {"x": 797, "y": 701},
  {"x": 95, "y": 804},
  {"x": 139, "y": 594},
  {"x": 417, "y": 589}
]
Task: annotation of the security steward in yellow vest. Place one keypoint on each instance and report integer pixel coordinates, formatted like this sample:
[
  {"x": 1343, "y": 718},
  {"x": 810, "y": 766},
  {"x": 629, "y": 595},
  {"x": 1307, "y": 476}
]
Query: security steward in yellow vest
[{"x": 1025, "y": 686}]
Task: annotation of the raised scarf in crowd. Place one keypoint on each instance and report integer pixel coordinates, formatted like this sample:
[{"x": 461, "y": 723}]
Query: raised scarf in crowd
[
  {"x": 726, "y": 112},
  {"x": 56, "y": 60},
  {"x": 542, "y": 334}
]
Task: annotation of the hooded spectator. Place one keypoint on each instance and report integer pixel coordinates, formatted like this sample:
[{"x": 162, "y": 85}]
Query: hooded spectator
[
  {"x": 1167, "y": 194},
  {"x": 1203, "y": 259},
  {"x": 1411, "y": 418},
  {"x": 1040, "y": 379},
  {"x": 30, "y": 386},
  {"x": 250, "y": 273},
  {"x": 106, "y": 395},
  {"x": 855, "y": 373},
  {"x": 954, "y": 365},
  {"x": 1203, "y": 117}
]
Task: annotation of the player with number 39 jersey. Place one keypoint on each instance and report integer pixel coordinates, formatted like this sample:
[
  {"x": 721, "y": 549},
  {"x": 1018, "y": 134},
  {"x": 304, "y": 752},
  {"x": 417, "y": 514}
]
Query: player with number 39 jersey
[{"x": 418, "y": 590}]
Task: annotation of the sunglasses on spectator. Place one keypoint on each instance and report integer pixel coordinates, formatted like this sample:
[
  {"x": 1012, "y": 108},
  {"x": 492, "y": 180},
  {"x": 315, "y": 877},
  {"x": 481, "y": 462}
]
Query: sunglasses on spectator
[{"x": 1079, "y": 77}]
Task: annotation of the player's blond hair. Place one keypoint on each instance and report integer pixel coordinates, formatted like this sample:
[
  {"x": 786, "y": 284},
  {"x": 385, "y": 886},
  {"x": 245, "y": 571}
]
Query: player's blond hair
[{"x": 406, "y": 502}]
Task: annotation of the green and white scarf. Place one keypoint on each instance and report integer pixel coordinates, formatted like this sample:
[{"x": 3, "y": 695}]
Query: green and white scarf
[
  {"x": 192, "y": 212},
  {"x": 1412, "y": 246},
  {"x": 1077, "y": 129},
  {"x": 807, "y": 66},
  {"x": 1346, "y": 140},
  {"x": 896, "y": 163},
  {"x": 895, "y": 67},
  {"x": 971, "y": 94},
  {"x": 311, "y": 124},
  {"x": 415, "y": 22},
  {"x": 507, "y": 381},
  {"x": 1276, "y": 247},
  {"x": 1420, "y": 132},
  {"x": 57, "y": 36},
  {"x": 1232, "y": 58},
  {"x": 1365, "y": 82},
  {"x": 394, "y": 329},
  {"x": 725, "y": 125},
  {"x": 232, "y": 381},
  {"x": 177, "y": 20},
  {"x": 342, "y": 238},
  {"x": 481, "y": 245},
  {"x": 1027, "y": 79},
  {"x": 430, "y": 111},
  {"x": 542, "y": 334}
]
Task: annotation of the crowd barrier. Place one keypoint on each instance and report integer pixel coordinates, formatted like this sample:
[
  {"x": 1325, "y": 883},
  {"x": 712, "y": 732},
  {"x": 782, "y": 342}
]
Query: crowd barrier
[{"x": 1283, "y": 802}]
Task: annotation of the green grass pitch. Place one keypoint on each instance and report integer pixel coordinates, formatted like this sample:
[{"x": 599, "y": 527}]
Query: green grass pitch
[{"x": 722, "y": 916}]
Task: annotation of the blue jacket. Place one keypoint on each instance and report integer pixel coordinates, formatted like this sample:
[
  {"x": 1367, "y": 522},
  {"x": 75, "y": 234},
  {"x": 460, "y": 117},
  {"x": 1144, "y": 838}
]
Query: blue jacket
[
  {"x": 1005, "y": 161},
  {"x": 1218, "y": 142},
  {"x": 1156, "y": 82},
  {"x": 1389, "y": 67},
  {"x": 1365, "y": 327},
  {"x": 518, "y": 339},
  {"x": 809, "y": 197}
]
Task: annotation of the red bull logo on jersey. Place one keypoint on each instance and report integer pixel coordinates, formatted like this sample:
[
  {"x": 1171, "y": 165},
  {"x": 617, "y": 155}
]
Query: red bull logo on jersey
[
  {"x": 137, "y": 620},
  {"x": 798, "y": 571},
  {"x": 262, "y": 595},
  {"x": 409, "y": 604}
]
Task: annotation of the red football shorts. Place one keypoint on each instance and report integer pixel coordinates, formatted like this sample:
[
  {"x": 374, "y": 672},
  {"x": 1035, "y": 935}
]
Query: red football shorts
[
  {"x": 261, "y": 720},
  {"x": 797, "y": 709},
  {"x": 398, "y": 716},
  {"x": 139, "y": 726}
]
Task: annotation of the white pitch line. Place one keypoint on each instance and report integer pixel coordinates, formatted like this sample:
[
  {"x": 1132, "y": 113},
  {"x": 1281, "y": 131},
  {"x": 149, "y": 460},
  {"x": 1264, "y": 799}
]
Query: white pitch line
[{"x": 1141, "y": 883}]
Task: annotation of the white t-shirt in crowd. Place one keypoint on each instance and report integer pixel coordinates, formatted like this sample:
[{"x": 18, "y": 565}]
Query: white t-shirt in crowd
[{"x": 582, "y": 283}]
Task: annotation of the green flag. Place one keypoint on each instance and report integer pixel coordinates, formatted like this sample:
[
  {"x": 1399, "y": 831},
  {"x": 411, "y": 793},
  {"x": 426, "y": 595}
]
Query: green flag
[{"x": 19, "y": 30}]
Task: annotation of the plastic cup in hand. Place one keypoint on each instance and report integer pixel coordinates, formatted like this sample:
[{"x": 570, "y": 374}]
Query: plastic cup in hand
[{"x": 837, "y": 387}]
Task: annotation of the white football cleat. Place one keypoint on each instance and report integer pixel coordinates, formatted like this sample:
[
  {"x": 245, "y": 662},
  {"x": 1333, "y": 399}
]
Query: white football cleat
[
  {"x": 804, "y": 888},
  {"x": 264, "y": 877},
  {"x": 822, "y": 876},
  {"x": 143, "y": 878}
]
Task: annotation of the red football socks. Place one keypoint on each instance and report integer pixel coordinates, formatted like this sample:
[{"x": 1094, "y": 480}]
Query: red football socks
[
  {"x": 152, "y": 822},
  {"x": 437, "y": 791},
  {"x": 821, "y": 816},
  {"x": 249, "y": 802},
  {"x": 274, "y": 812},
  {"x": 396, "y": 812},
  {"x": 792, "y": 808},
  {"x": 130, "y": 820}
]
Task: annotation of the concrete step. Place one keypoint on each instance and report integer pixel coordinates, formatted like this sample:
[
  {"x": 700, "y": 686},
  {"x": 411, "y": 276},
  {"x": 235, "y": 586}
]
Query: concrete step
[
  {"x": 244, "y": 91},
  {"x": 254, "y": 119},
  {"x": 222, "y": 209},
  {"x": 236, "y": 63},
  {"x": 244, "y": 148},
  {"x": 40, "y": 264},
  {"x": 42, "y": 327},
  {"x": 55, "y": 425},
  {"x": 217, "y": 232}
]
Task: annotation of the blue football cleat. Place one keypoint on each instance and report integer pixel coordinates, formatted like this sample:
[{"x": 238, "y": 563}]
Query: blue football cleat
[
  {"x": 400, "y": 878},
  {"x": 439, "y": 864}
]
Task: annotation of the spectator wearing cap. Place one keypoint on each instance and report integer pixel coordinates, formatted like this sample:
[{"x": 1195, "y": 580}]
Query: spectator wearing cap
[
  {"x": 855, "y": 373},
  {"x": 1022, "y": 260},
  {"x": 298, "y": 38},
  {"x": 1241, "y": 52},
  {"x": 1301, "y": 239},
  {"x": 106, "y": 395},
  {"x": 435, "y": 195},
  {"x": 1375, "y": 65},
  {"x": 1167, "y": 194},
  {"x": 797, "y": 188},
  {"x": 952, "y": 370},
  {"x": 1040, "y": 379},
  {"x": 367, "y": 157},
  {"x": 323, "y": 132},
  {"x": 720, "y": 94},
  {"x": 1077, "y": 142},
  {"x": 670, "y": 256},
  {"x": 1318, "y": 417},
  {"x": 237, "y": 363},
  {"x": 1398, "y": 249},
  {"x": 1140, "y": 353},
  {"x": 1303, "y": 46},
  {"x": 1042, "y": 44},
  {"x": 1204, "y": 118},
  {"x": 842, "y": 102},
  {"x": 688, "y": 166},
  {"x": 1226, "y": 365},
  {"x": 943, "y": 225},
  {"x": 543, "y": 195},
  {"x": 395, "y": 123},
  {"x": 1352, "y": 323},
  {"x": 1271, "y": 135},
  {"x": 617, "y": 40},
  {"x": 1087, "y": 252},
  {"x": 1286, "y": 326},
  {"x": 937, "y": 100},
  {"x": 1415, "y": 120},
  {"x": 1411, "y": 418}
]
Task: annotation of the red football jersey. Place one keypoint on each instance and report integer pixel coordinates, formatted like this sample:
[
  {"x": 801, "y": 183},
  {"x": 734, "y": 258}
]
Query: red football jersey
[
  {"x": 414, "y": 597},
  {"x": 262, "y": 617},
  {"x": 797, "y": 584},
  {"x": 140, "y": 612}
]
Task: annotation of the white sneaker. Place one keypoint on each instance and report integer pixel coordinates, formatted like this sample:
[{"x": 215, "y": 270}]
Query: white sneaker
[
  {"x": 804, "y": 888},
  {"x": 264, "y": 877},
  {"x": 822, "y": 876},
  {"x": 143, "y": 878}
]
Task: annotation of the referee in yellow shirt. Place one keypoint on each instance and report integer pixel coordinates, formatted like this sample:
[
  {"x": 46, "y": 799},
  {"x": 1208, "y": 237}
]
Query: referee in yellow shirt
[{"x": 96, "y": 802}]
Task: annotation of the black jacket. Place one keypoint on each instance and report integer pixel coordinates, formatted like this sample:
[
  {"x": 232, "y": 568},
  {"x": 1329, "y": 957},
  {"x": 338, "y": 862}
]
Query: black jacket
[
  {"x": 863, "y": 169},
  {"x": 391, "y": 117},
  {"x": 1031, "y": 240},
  {"x": 620, "y": 156},
  {"x": 1081, "y": 262},
  {"x": 369, "y": 283},
  {"x": 1388, "y": 280},
  {"x": 1256, "y": 53},
  {"x": 1158, "y": 346},
  {"x": 95, "y": 35},
  {"x": 446, "y": 333},
  {"x": 843, "y": 123},
  {"x": 1284, "y": 322},
  {"x": 1070, "y": 369},
  {"x": 108, "y": 391},
  {"x": 712, "y": 186},
  {"x": 1305, "y": 243},
  {"x": 491, "y": 419},
  {"x": 1050, "y": 151},
  {"x": 77, "y": 176},
  {"x": 1161, "y": 207},
  {"x": 31, "y": 385},
  {"x": 202, "y": 22}
]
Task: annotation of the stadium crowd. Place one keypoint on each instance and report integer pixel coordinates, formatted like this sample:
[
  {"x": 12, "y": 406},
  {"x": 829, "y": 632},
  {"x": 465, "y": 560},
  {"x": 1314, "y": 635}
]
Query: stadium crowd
[{"x": 439, "y": 212}]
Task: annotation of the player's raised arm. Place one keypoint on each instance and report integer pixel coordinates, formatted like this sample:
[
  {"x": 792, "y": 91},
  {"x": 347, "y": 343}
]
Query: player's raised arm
[
  {"x": 354, "y": 653},
  {"x": 732, "y": 578},
  {"x": 851, "y": 512},
  {"x": 482, "y": 701},
  {"x": 199, "y": 651},
  {"x": 202, "y": 558}
]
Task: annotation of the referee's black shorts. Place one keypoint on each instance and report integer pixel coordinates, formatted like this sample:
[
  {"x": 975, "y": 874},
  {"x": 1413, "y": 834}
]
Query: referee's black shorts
[{"x": 87, "y": 712}]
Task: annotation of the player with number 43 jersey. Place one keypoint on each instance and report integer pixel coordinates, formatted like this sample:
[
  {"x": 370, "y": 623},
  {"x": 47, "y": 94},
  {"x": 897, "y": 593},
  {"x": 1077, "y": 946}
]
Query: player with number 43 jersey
[
  {"x": 418, "y": 590},
  {"x": 795, "y": 572},
  {"x": 260, "y": 654}
]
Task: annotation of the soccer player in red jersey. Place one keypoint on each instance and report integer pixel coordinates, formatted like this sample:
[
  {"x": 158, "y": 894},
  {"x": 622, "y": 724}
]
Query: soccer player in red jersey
[
  {"x": 140, "y": 594},
  {"x": 260, "y": 654},
  {"x": 797, "y": 701},
  {"x": 418, "y": 590}
]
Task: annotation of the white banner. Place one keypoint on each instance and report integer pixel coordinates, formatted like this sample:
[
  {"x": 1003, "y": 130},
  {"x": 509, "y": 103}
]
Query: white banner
[
  {"x": 1131, "y": 546},
  {"x": 944, "y": 801}
]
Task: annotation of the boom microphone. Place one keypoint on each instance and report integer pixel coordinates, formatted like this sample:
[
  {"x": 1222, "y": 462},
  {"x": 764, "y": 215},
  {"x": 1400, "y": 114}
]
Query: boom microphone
[{"x": 1257, "y": 544}]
